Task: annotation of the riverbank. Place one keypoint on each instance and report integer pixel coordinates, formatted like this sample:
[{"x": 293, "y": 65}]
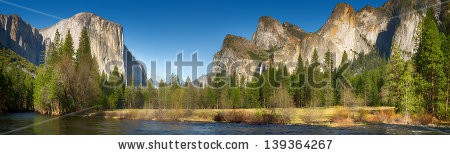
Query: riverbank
[
  {"x": 331, "y": 116},
  {"x": 20, "y": 123}
]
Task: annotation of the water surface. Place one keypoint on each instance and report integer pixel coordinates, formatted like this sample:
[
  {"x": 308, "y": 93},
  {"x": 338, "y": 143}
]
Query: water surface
[{"x": 33, "y": 123}]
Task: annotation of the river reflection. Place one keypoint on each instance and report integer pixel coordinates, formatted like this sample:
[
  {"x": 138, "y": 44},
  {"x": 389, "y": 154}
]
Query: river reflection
[{"x": 22, "y": 123}]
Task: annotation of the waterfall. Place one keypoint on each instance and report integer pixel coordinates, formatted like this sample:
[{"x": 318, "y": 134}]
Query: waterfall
[{"x": 261, "y": 68}]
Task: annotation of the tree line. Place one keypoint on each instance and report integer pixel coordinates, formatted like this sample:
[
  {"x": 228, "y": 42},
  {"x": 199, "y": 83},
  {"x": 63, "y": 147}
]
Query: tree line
[
  {"x": 414, "y": 83},
  {"x": 16, "y": 82},
  {"x": 69, "y": 81}
]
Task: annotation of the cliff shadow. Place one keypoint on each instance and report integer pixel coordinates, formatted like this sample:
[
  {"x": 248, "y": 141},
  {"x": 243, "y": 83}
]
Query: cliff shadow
[{"x": 385, "y": 38}]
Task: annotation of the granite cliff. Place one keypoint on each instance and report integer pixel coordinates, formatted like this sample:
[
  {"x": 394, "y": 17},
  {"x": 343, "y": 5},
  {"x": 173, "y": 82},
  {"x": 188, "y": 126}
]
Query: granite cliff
[
  {"x": 365, "y": 30},
  {"x": 106, "y": 40},
  {"x": 21, "y": 37}
]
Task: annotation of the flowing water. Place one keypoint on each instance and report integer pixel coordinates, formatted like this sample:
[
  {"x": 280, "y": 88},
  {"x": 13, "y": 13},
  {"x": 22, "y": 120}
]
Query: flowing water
[{"x": 33, "y": 123}]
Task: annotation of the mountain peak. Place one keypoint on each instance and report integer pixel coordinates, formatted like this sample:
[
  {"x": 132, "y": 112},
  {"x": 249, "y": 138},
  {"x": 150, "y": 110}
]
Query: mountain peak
[
  {"x": 267, "y": 23},
  {"x": 346, "y": 29},
  {"x": 342, "y": 9},
  {"x": 270, "y": 33},
  {"x": 14, "y": 16},
  {"x": 84, "y": 14},
  {"x": 267, "y": 19},
  {"x": 236, "y": 42}
]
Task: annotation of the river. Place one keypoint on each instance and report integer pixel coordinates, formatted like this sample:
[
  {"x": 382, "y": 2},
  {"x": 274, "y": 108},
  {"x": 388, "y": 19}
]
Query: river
[{"x": 32, "y": 123}]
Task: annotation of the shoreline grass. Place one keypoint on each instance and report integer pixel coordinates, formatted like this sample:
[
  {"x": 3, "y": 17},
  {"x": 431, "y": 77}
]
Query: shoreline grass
[{"x": 327, "y": 116}]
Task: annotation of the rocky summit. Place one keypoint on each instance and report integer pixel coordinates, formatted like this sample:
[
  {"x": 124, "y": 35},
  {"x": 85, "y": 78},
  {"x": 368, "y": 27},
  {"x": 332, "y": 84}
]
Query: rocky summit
[
  {"x": 106, "y": 40},
  {"x": 365, "y": 30}
]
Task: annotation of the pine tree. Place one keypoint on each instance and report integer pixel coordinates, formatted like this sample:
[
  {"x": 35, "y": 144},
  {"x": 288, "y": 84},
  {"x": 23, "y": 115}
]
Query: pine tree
[
  {"x": 235, "y": 92},
  {"x": 252, "y": 92},
  {"x": 299, "y": 83},
  {"x": 339, "y": 87},
  {"x": 113, "y": 99},
  {"x": 211, "y": 98},
  {"x": 314, "y": 79},
  {"x": 315, "y": 57},
  {"x": 428, "y": 61},
  {"x": 284, "y": 76},
  {"x": 87, "y": 90},
  {"x": 84, "y": 47},
  {"x": 52, "y": 54},
  {"x": 267, "y": 89},
  {"x": 409, "y": 102},
  {"x": 446, "y": 50},
  {"x": 54, "y": 88},
  {"x": 115, "y": 78},
  {"x": 235, "y": 96},
  {"x": 327, "y": 92},
  {"x": 329, "y": 62},
  {"x": 308, "y": 92},
  {"x": 67, "y": 47},
  {"x": 272, "y": 77},
  {"x": 5, "y": 88},
  {"x": 395, "y": 69}
]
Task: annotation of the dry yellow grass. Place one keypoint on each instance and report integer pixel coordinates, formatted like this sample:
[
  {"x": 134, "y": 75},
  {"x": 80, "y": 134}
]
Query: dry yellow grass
[{"x": 330, "y": 116}]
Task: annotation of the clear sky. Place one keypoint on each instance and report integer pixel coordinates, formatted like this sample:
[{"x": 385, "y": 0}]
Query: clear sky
[{"x": 159, "y": 29}]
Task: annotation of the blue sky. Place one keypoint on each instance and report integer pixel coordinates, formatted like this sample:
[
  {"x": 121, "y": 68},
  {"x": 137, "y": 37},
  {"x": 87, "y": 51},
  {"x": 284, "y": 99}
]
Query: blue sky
[{"x": 158, "y": 30}]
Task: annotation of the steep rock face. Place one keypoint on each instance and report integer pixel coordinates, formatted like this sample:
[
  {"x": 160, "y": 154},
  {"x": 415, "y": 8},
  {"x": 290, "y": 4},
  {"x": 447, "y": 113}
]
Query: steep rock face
[
  {"x": 406, "y": 32},
  {"x": 273, "y": 42},
  {"x": 270, "y": 34},
  {"x": 370, "y": 22},
  {"x": 396, "y": 22},
  {"x": 21, "y": 37},
  {"x": 136, "y": 73},
  {"x": 236, "y": 52},
  {"x": 409, "y": 16},
  {"x": 340, "y": 33},
  {"x": 279, "y": 42},
  {"x": 106, "y": 38}
]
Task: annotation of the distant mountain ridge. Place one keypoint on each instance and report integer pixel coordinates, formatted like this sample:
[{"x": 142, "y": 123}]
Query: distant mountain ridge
[{"x": 365, "y": 30}]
